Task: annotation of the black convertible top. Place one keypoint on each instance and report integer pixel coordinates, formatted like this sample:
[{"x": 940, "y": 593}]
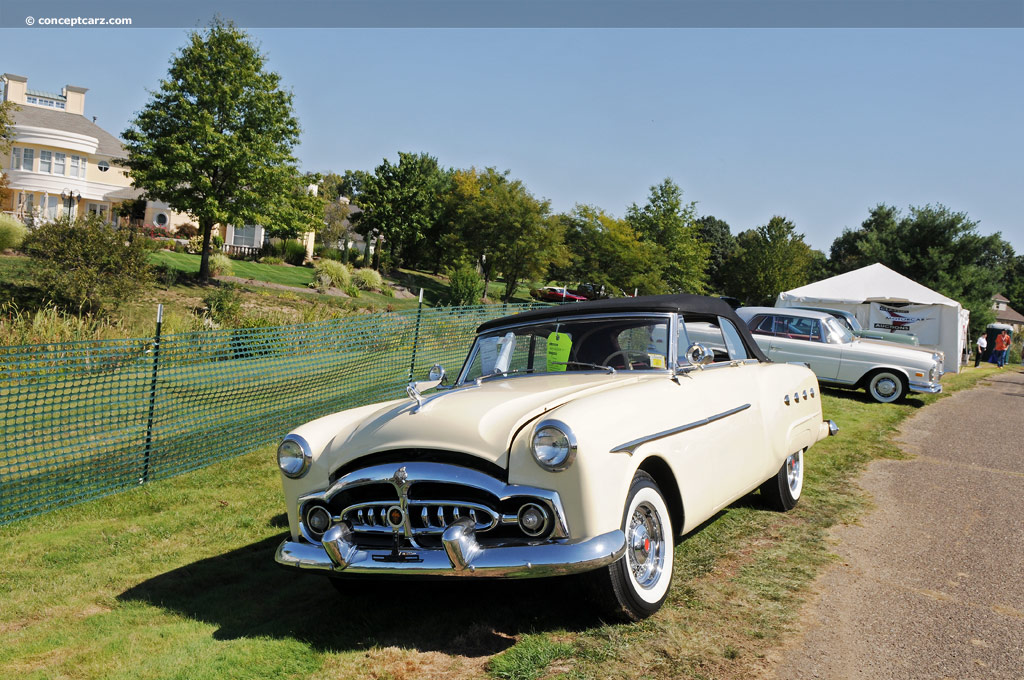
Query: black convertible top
[{"x": 683, "y": 304}]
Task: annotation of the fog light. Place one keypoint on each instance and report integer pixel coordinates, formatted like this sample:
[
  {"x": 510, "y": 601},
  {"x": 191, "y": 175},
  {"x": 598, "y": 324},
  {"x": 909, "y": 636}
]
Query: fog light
[
  {"x": 318, "y": 519},
  {"x": 533, "y": 520}
]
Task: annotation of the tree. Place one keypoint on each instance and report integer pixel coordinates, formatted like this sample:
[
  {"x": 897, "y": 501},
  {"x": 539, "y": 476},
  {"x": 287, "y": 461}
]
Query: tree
[
  {"x": 606, "y": 251},
  {"x": 216, "y": 139},
  {"x": 400, "y": 203},
  {"x": 768, "y": 260},
  {"x": 934, "y": 246},
  {"x": 716, "y": 234},
  {"x": 7, "y": 109},
  {"x": 665, "y": 221}
]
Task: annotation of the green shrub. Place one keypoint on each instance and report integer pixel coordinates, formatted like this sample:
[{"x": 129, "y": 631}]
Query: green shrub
[
  {"x": 224, "y": 304},
  {"x": 367, "y": 279},
  {"x": 464, "y": 287},
  {"x": 187, "y": 230},
  {"x": 270, "y": 259},
  {"x": 194, "y": 245},
  {"x": 166, "y": 275},
  {"x": 220, "y": 264},
  {"x": 330, "y": 273},
  {"x": 351, "y": 290},
  {"x": 12, "y": 232},
  {"x": 387, "y": 291},
  {"x": 86, "y": 264},
  {"x": 331, "y": 254},
  {"x": 294, "y": 253}
]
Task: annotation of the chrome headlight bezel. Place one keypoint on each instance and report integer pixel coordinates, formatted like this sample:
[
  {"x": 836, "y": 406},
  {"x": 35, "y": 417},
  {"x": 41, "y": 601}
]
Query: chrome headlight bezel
[
  {"x": 304, "y": 455},
  {"x": 544, "y": 458}
]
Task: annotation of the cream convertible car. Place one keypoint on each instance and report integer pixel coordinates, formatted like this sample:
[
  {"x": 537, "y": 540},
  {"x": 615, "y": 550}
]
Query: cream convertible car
[{"x": 577, "y": 438}]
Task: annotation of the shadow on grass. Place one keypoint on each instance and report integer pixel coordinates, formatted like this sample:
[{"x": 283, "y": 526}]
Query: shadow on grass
[
  {"x": 246, "y": 594},
  {"x": 911, "y": 399}
]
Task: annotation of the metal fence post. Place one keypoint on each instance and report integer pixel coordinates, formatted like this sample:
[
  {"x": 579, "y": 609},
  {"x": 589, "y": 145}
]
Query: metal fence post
[
  {"x": 416, "y": 337},
  {"x": 152, "y": 396}
]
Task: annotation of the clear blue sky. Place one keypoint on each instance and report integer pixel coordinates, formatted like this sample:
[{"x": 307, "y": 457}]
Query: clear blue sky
[{"x": 816, "y": 125}]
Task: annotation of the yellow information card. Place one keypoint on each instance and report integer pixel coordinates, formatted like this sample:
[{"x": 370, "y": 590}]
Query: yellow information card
[{"x": 559, "y": 346}]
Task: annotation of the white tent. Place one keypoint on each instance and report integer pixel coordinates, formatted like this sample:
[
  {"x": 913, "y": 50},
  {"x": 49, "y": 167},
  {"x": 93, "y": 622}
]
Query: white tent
[{"x": 883, "y": 299}]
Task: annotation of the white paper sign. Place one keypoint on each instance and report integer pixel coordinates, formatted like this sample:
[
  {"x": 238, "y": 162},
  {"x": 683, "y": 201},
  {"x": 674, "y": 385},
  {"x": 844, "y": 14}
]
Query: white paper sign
[{"x": 921, "y": 320}]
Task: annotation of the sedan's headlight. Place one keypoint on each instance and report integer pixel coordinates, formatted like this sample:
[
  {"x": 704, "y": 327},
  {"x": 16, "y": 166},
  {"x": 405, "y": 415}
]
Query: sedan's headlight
[
  {"x": 553, "y": 445},
  {"x": 294, "y": 456}
]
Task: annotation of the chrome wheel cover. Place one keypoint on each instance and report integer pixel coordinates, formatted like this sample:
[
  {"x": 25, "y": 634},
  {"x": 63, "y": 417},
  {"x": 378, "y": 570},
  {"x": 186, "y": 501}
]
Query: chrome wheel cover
[
  {"x": 795, "y": 473},
  {"x": 645, "y": 546}
]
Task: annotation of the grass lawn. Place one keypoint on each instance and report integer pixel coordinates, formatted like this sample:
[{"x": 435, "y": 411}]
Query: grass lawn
[
  {"x": 283, "y": 274},
  {"x": 177, "y": 580}
]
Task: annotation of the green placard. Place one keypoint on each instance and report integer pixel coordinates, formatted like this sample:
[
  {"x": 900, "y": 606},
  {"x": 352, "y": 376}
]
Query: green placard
[{"x": 559, "y": 346}]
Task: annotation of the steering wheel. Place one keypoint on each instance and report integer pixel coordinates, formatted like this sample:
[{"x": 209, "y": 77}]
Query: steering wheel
[{"x": 625, "y": 355}]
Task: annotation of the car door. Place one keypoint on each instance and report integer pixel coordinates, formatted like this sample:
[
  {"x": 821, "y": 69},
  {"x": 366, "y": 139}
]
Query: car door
[{"x": 801, "y": 340}]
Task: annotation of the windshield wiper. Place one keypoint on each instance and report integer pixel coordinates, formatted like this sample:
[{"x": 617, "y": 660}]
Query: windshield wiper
[
  {"x": 584, "y": 363},
  {"x": 502, "y": 374}
]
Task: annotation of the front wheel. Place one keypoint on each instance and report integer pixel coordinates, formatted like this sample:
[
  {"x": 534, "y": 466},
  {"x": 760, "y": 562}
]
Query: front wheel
[
  {"x": 886, "y": 386},
  {"x": 782, "y": 491},
  {"x": 636, "y": 585}
]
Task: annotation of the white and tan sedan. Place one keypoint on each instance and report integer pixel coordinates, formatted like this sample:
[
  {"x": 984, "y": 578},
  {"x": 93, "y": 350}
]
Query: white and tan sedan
[
  {"x": 579, "y": 438},
  {"x": 885, "y": 370}
]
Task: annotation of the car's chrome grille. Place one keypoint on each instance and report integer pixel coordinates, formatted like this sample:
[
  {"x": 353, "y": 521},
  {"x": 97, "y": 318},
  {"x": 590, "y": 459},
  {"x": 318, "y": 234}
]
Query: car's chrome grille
[{"x": 425, "y": 517}]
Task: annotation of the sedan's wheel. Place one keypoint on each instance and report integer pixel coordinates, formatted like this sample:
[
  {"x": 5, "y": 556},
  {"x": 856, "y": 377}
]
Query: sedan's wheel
[
  {"x": 886, "y": 386},
  {"x": 636, "y": 585},
  {"x": 782, "y": 491}
]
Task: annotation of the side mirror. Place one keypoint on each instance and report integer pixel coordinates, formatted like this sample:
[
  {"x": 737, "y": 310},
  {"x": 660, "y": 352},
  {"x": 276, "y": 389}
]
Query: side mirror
[
  {"x": 437, "y": 373},
  {"x": 699, "y": 355},
  {"x": 435, "y": 377}
]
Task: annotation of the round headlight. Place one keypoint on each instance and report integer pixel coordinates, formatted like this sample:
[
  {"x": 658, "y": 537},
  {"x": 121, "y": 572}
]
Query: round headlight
[
  {"x": 553, "y": 445},
  {"x": 294, "y": 456}
]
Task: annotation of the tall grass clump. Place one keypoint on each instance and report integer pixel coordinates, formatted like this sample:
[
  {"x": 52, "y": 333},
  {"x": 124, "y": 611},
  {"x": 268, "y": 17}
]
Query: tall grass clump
[
  {"x": 367, "y": 279},
  {"x": 12, "y": 232},
  {"x": 330, "y": 273},
  {"x": 220, "y": 265},
  {"x": 51, "y": 324},
  {"x": 294, "y": 253}
]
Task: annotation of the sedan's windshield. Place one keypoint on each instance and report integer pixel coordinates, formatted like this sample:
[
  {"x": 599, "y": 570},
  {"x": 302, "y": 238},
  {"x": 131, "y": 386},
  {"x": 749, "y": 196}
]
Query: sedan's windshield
[
  {"x": 556, "y": 346},
  {"x": 836, "y": 333}
]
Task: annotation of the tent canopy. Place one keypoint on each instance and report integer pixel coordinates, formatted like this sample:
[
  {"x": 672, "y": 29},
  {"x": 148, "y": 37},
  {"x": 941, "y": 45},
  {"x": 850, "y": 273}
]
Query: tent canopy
[{"x": 874, "y": 283}]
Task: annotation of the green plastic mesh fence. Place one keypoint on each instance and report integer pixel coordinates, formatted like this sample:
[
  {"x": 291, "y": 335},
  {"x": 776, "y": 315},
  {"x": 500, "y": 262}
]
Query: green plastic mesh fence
[{"x": 85, "y": 419}]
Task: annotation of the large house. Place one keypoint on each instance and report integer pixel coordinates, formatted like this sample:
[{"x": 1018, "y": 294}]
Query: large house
[
  {"x": 1006, "y": 314},
  {"x": 63, "y": 163}
]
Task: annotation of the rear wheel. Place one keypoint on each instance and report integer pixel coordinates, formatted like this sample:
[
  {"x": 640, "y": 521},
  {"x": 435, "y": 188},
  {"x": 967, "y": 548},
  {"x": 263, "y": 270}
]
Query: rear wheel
[
  {"x": 886, "y": 386},
  {"x": 782, "y": 491},
  {"x": 636, "y": 585}
]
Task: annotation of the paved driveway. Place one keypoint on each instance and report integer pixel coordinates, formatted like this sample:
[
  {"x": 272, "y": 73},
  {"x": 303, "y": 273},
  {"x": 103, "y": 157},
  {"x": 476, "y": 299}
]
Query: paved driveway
[{"x": 931, "y": 584}]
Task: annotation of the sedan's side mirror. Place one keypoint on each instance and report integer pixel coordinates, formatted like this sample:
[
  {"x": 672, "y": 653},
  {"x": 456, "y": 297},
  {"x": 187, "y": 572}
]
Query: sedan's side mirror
[
  {"x": 435, "y": 378},
  {"x": 437, "y": 373},
  {"x": 699, "y": 355}
]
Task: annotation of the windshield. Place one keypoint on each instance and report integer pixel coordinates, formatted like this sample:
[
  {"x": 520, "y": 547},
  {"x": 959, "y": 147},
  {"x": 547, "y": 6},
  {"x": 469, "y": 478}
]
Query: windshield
[
  {"x": 854, "y": 324},
  {"x": 836, "y": 333},
  {"x": 557, "y": 346}
]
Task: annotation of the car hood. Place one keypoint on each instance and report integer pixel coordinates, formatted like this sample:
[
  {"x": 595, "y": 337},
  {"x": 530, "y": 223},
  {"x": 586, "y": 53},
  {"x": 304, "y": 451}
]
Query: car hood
[
  {"x": 480, "y": 420},
  {"x": 893, "y": 350}
]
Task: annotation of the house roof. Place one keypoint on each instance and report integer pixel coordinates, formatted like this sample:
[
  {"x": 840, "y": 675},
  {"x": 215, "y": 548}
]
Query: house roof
[
  {"x": 33, "y": 116},
  {"x": 48, "y": 95},
  {"x": 1009, "y": 315},
  {"x": 874, "y": 283},
  {"x": 999, "y": 298}
]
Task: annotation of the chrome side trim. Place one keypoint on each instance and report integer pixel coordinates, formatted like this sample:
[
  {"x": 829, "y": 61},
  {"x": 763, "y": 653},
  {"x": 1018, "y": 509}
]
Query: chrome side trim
[
  {"x": 631, "y": 447},
  {"x": 463, "y": 556}
]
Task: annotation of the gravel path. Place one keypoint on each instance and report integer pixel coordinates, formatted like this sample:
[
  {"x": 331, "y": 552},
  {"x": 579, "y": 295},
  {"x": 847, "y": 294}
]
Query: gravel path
[{"x": 931, "y": 583}]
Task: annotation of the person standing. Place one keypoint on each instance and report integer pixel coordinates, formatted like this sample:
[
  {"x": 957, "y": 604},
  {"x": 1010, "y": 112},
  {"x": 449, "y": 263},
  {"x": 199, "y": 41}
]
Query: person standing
[
  {"x": 1002, "y": 347},
  {"x": 982, "y": 346}
]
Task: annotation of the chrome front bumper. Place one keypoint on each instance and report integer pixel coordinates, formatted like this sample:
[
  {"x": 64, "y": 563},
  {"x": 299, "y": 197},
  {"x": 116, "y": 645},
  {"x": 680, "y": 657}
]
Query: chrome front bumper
[
  {"x": 462, "y": 556},
  {"x": 928, "y": 387}
]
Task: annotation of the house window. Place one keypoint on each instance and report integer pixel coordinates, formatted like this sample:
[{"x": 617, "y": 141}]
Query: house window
[
  {"x": 103, "y": 166},
  {"x": 50, "y": 204},
  {"x": 23, "y": 159},
  {"x": 78, "y": 166},
  {"x": 161, "y": 219},
  {"x": 45, "y": 161},
  {"x": 97, "y": 209},
  {"x": 58, "y": 162},
  {"x": 245, "y": 236}
]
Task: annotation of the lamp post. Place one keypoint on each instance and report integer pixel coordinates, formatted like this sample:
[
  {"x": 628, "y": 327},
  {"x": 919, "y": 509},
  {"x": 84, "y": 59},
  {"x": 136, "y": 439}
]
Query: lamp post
[{"x": 67, "y": 195}]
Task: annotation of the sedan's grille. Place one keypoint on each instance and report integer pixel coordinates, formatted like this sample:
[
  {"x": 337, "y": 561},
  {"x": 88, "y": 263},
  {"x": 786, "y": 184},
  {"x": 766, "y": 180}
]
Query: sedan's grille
[{"x": 425, "y": 517}]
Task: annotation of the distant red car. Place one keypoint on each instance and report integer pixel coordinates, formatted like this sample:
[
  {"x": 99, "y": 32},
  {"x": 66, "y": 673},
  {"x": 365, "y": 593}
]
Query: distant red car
[{"x": 557, "y": 294}]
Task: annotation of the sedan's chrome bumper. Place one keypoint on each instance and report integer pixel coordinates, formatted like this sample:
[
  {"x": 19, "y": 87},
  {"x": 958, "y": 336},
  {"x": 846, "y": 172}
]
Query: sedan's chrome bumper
[
  {"x": 929, "y": 387},
  {"x": 462, "y": 556}
]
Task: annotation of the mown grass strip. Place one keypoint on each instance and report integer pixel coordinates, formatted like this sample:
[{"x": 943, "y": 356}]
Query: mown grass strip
[{"x": 177, "y": 580}]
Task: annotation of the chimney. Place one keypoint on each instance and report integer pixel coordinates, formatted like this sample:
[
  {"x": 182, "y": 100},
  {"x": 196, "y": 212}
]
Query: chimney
[
  {"x": 75, "y": 97},
  {"x": 15, "y": 87}
]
